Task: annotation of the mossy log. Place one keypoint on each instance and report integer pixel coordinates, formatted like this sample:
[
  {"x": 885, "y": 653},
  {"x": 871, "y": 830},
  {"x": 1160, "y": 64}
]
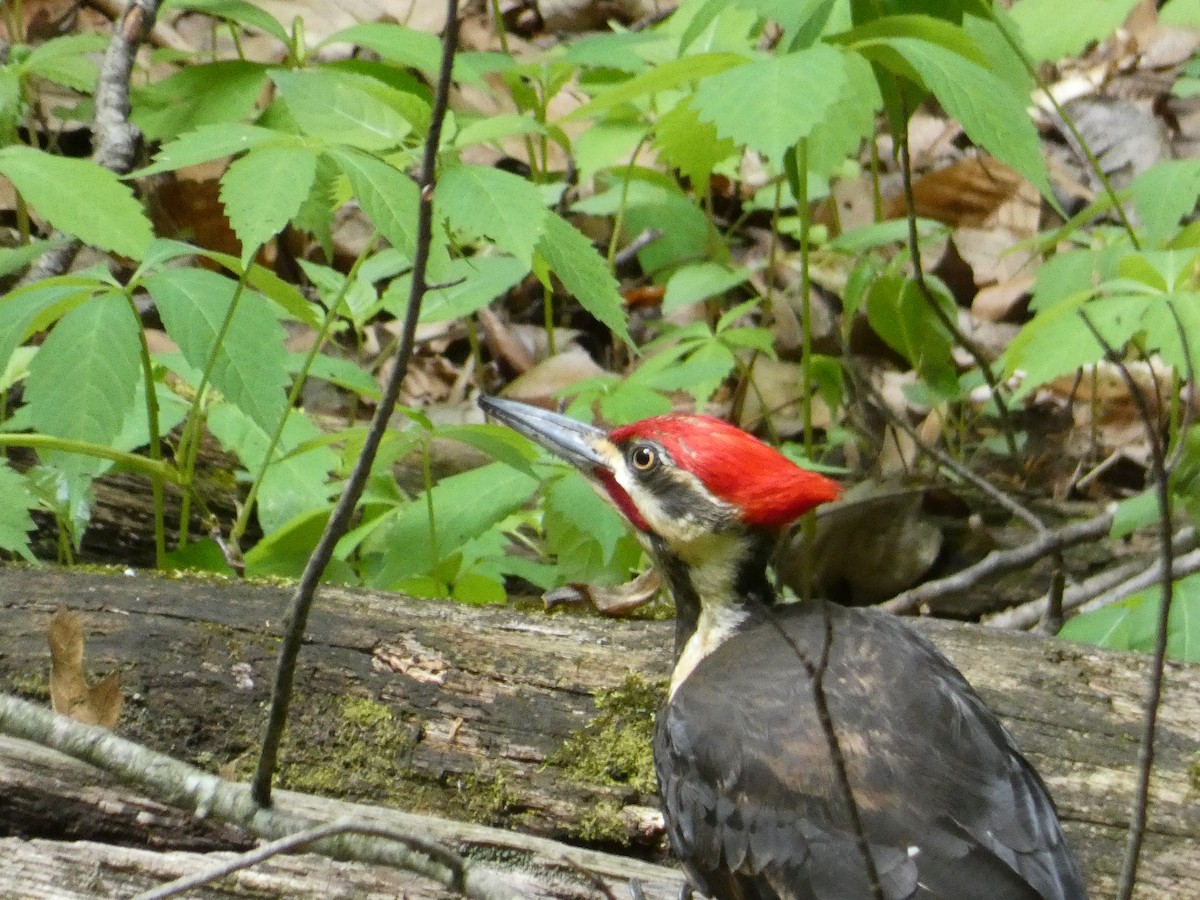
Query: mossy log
[{"x": 511, "y": 718}]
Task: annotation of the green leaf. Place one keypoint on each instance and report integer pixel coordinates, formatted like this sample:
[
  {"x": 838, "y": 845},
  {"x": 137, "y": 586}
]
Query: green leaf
[
  {"x": 13, "y": 259},
  {"x": 79, "y": 197},
  {"x": 573, "y": 500},
  {"x": 497, "y": 441},
  {"x": 238, "y": 11},
  {"x": 250, "y": 366},
  {"x": 900, "y": 315},
  {"x": 489, "y": 129},
  {"x": 484, "y": 202},
  {"x": 1164, "y": 194},
  {"x": 36, "y": 306},
  {"x": 699, "y": 281},
  {"x": 394, "y": 43},
  {"x": 1000, "y": 125},
  {"x": 690, "y": 145},
  {"x": 335, "y": 108},
  {"x": 1047, "y": 36},
  {"x": 756, "y": 104},
  {"x": 284, "y": 552},
  {"x": 66, "y": 60},
  {"x": 470, "y": 285},
  {"x": 207, "y": 143},
  {"x": 262, "y": 190},
  {"x": 81, "y": 383},
  {"x": 15, "y": 521},
  {"x": 849, "y": 121},
  {"x": 1133, "y": 514},
  {"x": 667, "y": 76},
  {"x": 583, "y": 272},
  {"x": 296, "y": 483},
  {"x": 1058, "y": 341},
  {"x": 388, "y": 196},
  {"x": 198, "y": 95},
  {"x": 465, "y": 506}
]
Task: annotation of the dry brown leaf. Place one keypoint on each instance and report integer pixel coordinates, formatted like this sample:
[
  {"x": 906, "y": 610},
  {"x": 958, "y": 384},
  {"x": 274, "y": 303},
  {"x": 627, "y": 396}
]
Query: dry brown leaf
[
  {"x": 975, "y": 192},
  {"x": 610, "y": 601},
  {"x": 545, "y": 382},
  {"x": 70, "y": 694}
]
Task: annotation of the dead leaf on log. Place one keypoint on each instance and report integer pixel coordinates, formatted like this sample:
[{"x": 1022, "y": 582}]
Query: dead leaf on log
[
  {"x": 70, "y": 694},
  {"x": 610, "y": 601}
]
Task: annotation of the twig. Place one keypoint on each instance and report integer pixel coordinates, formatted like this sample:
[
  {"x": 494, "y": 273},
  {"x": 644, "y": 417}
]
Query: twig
[
  {"x": 953, "y": 465},
  {"x": 1000, "y": 561},
  {"x": 1162, "y": 490},
  {"x": 300, "y": 839},
  {"x": 629, "y": 252},
  {"x": 180, "y": 785},
  {"x": 914, "y": 249},
  {"x": 1102, "y": 589},
  {"x": 339, "y": 520},
  {"x": 115, "y": 138}
]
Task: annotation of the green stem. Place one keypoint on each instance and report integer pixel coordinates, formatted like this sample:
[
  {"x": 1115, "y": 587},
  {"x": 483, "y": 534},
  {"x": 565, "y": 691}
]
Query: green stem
[
  {"x": 189, "y": 443},
  {"x": 152, "y": 428},
  {"x": 130, "y": 461},
  {"x": 427, "y": 472},
  {"x": 243, "y": 519}
]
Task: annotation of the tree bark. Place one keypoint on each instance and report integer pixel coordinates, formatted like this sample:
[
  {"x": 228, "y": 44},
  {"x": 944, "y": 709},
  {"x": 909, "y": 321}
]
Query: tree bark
[{"x": 502, "y": 716}]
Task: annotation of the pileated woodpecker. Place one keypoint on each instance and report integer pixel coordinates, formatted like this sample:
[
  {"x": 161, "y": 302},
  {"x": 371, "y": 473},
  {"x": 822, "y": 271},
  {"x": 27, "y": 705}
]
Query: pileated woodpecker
[{"x": 806, "y": 751}]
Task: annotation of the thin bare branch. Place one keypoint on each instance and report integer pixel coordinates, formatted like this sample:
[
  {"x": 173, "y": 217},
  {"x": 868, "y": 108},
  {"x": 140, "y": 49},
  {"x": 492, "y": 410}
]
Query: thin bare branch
[
  {"x": 114, "y": 136},
  {"x": 339, "y": 520},
  {"x": 1104, "y": 588},
  {"x": 180, "y": 785},
  {"x": 1162, "y": 490},
  {"x": 998, "y": 562}
]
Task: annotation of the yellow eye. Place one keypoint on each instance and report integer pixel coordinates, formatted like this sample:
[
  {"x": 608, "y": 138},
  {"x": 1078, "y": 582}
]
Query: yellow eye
[{"x": 643, "y": 458}]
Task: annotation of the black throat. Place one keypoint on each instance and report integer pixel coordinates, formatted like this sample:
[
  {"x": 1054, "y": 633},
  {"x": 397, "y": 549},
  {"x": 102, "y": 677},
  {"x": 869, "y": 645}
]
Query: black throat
[{"x": 752, "y": 588}]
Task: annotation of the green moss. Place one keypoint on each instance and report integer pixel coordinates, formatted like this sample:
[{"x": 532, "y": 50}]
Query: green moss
[
  {"x": 616, "y": 747},
  {"x": 32, "y": 687},
  {"x": 1194, "y": 777},
  {"x": 355, "y": 750},
  {"x": 603, "y": 824},
  {"x": 486, "y": 799}
]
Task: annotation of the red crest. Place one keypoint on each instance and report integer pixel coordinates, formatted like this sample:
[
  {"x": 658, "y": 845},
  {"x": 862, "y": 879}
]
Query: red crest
[{"x": 769, "y": 489}]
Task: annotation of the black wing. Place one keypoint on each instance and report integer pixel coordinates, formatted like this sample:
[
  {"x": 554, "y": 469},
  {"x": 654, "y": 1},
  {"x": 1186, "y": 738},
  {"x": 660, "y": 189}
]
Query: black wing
[{"x": 949, "y": 806}]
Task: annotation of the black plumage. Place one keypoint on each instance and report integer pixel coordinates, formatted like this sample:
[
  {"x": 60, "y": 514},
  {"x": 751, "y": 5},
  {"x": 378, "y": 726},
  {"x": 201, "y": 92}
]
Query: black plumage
[{"x": 752, "y": 800}]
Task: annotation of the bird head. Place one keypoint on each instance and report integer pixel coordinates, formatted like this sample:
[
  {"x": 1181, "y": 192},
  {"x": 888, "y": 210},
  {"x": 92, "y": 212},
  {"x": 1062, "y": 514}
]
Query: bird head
[{"x": 683, "y": 481}]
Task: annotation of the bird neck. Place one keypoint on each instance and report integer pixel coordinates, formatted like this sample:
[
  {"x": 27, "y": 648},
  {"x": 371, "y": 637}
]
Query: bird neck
[{"x": 719, "y": 586}]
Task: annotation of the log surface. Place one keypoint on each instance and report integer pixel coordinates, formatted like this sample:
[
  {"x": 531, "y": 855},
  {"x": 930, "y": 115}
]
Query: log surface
[{"x": 477, "y": 714}]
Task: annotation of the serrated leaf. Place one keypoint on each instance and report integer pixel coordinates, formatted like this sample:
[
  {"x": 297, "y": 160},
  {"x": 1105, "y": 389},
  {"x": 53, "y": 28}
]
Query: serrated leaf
[
  {"x": 226, "y": 91},
  {"x": 583, "y": 272},
  {"x": 250, "y": 365},
  {"x": 484, "y": 202},
  {"x": 572, "y": 499},
  {"x": 262, "y": 190},
  {"x": 849, "y": 121},
  {"x": 1000, "y": 125},
  {"x": 296, "y": 483},
  {"x": 207, "y": 143},
  {"x": 15, "y": 521},
  {"x": 79, "y": 197},
  {"x": 756, "y": 104},
  {"x": 691, "y": 146},
  {"x": 1048, "y": 37},
  {"x": 37, "y": 306},
  {"x": 465, "y": 506},
  {"x": 65, "y": 60},
  {"x": 469, "y": 286},
  {"x": 332, "y": 107},
  {"x": 81, "y": 383},
  {"x": 388, "y": 196}
]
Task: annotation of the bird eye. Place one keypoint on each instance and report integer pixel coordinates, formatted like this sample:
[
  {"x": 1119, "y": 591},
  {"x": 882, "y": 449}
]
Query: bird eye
[{"x": 643, "y": 458}]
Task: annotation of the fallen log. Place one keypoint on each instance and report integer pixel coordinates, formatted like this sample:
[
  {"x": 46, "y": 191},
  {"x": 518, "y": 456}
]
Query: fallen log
[{"x": 513, "y": 718}]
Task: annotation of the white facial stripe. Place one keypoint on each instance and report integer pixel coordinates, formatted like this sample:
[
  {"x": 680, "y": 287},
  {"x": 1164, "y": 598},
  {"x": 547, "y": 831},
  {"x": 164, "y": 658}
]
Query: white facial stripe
[{"x": 717, "y": 623}]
